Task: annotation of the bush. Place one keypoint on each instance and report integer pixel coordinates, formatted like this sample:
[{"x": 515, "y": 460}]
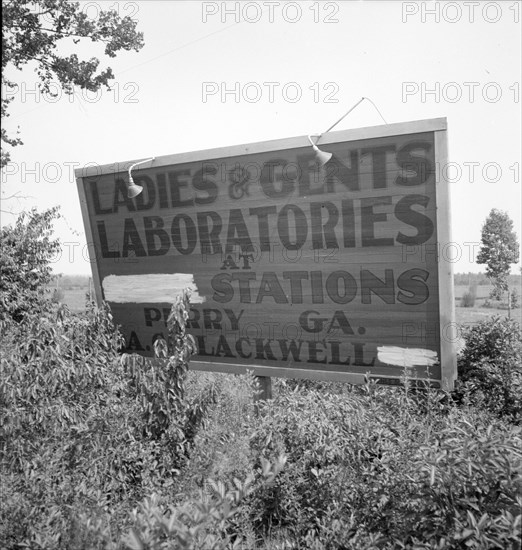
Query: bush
[
  {"x": 26, "y": 251},
  {"x": 207, "y": 523},
  {"x": 368, "y": 470},
  {"x": 495, "y": 338},
  {"x": 468, "y": 299},
  {"x": 489, "y": 367},
  {"x": 86, "y": 435}
]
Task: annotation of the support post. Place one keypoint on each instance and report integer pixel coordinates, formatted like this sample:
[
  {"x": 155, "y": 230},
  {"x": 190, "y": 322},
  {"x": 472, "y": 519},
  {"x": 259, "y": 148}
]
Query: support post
[{"x": 265, "y": 385}]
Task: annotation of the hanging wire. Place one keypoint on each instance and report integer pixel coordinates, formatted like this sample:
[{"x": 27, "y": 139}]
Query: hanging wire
[
  {"x": 376, "y": 108},
  {"x": 345, "y": 115}
]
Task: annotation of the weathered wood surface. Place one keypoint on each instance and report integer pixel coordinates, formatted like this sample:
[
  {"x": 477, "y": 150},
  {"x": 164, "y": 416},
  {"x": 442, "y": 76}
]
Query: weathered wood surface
[{"x": 292, "y": 267}]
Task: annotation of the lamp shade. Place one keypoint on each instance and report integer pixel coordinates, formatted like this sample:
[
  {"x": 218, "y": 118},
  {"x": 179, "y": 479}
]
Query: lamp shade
[
  {"x": 133, "y": 190},
  {"x": 322, "y": 157}
]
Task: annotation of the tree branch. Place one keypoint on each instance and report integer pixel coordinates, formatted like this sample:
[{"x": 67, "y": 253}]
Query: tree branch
[{"x": 64, "y": 34}]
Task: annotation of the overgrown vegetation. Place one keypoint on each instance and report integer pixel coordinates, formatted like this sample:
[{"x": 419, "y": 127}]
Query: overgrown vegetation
[
  {"x": 368, "y": 469},
  {"x": 490, "y": 368},
  {"x": 26, "y": 252},
  {"x": 101, "y": 450}
]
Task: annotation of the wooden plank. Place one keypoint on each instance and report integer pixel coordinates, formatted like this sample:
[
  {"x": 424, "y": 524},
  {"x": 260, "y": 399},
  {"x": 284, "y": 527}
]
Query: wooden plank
[
  {"x": 370, "y": 132},
  {"x": 90, "y": 241},
  {"x": 445, "y": 269},
  {"x": 300, "y": 374}
]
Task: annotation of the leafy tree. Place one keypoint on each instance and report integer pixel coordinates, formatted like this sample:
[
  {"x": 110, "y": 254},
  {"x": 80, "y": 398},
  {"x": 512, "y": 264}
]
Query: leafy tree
[
  {"x": 499, "y": 250},
  {"x": 34, "y": 32},
  {"x": 26, "y": 252}
]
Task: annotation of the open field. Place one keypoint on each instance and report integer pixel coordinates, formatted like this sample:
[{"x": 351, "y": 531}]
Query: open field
[
  {"x": 472, "y": 315},
  {"x": 75, "y": 299},
  {"x": 482, "y": 291}
]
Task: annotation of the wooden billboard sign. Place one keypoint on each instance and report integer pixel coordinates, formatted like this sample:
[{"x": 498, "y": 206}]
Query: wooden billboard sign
[{"x": 294, "y": 269}]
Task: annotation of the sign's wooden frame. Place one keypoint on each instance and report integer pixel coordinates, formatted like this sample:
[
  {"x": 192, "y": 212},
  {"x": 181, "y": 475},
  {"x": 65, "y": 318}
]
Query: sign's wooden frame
[{"x": 448, "y": 336}]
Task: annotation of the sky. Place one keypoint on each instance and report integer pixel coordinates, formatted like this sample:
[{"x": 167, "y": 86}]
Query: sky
[{"x": 214, "y": 74}]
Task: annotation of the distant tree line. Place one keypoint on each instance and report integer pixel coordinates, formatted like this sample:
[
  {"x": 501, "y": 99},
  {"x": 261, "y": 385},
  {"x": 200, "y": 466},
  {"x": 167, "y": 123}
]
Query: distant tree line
[
  {"x": 68, "y": 282},
  {"x": 480, "y": 279}
]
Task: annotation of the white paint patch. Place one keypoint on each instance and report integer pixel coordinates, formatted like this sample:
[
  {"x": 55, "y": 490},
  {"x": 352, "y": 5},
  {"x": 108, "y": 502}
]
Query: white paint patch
[
  {"x": 406, "y": 357},
  {"x": 152, "y": 288}
]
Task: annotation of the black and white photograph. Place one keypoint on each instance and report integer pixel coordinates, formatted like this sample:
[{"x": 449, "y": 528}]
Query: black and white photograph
[{"x": 260, "y": 275}]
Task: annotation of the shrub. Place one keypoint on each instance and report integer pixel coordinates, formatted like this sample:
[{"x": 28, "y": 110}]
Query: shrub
[
  {"x": 86, "y": 435},
  {"x": 206, "y": 523},
  {"x": 489, "y": 367},
  {"x": 469, "y": 297},
  {"x": 467, "y": 300},
  {"x": 494, "y": 339},
  {"x": 367, "y": 470},
  {"x": 26, "y": 251},
  {"x": 59, "y": 413}
]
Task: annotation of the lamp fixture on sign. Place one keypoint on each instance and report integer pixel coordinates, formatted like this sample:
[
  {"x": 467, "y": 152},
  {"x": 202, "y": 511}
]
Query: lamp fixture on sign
[
  {"x": 323, "y": 157},
  {"x": 134, "y": 190}
]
